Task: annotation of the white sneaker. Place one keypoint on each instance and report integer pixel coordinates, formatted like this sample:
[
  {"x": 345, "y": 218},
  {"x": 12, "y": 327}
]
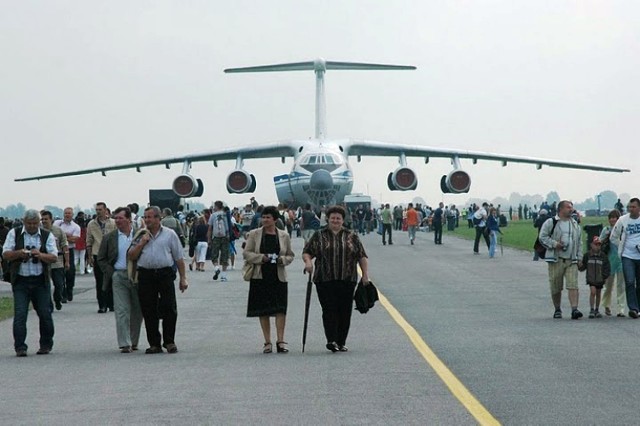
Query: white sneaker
[{"x": 223, "y": 279}]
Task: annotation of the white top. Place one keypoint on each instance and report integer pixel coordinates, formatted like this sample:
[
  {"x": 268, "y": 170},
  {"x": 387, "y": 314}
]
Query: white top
[{"x": 631, "y": 249}]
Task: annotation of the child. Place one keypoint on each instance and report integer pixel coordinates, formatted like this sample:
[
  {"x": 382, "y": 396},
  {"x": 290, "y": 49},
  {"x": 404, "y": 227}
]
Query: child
[{"x": 596, "y": 263}]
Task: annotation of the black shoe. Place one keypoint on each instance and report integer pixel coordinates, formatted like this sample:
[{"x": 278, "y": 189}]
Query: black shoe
[
  {"x": 21, "y": 353},
  {"x": 69, "y": 297},
  {"x": 111, "y": 309},
  {"x": 102, "y": 310},
  {"x": 43, "y": 351},
  {"x": 633, "y": 314},
  {"x": 557, "y": 314},
  {"x": 343, "y": 348},
  {"x": 390, "y": 243},
  {"x": 281, "y": 347},
  {"x": 58, "y": 305},
  {"x": 64, "y": 300},
  {"x": 332, "y": 346},
  {"x": 576, "y": 314},
  {"x": 153, "y": 350},
  {"x": 216, "y": 274}
]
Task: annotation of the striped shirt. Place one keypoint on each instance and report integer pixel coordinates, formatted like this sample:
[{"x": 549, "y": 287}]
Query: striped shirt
[{"x": 336, "y": 255}]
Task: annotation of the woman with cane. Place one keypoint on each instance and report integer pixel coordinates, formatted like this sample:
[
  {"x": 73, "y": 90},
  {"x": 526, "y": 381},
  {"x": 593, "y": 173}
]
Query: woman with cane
[{"x": 337, "y": 252}]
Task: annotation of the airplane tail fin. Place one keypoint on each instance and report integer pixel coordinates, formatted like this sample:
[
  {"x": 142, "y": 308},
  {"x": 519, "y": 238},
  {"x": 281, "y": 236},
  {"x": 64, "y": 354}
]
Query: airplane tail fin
[{"x": 319, "y": 66}]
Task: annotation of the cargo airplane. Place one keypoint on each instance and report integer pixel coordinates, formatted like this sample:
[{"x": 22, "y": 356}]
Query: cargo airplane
[{"x": 321, "y": 174}]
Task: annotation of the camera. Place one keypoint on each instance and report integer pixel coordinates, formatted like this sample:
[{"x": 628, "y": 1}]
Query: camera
[
  {"x": 565, "y": 247},
  {"x": 273, "y": 257},
  {"x": 27, "y": 251}
]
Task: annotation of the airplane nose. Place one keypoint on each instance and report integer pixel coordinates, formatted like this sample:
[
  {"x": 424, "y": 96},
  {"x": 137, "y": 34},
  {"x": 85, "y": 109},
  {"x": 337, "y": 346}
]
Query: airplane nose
[{"x": 321, "y": 180}]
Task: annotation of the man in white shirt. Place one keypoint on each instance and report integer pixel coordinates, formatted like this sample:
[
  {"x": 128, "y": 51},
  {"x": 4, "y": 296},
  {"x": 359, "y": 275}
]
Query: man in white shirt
[
  {"x": 480, "y": 222},
  {"x": 627, "y": 231},
  {"x": 72, "y": 231}
]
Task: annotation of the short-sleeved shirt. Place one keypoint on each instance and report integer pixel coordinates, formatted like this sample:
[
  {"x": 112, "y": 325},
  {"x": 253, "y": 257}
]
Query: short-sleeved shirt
[
  {"x": 29, "y": 268},
  {"x": 161, "y": 251},
  {"x": 631, "y": 249},
  {"x": 69, "y": 228},
  {"x": 336, "y": 255},
  {"x": 412, "y": 217}
]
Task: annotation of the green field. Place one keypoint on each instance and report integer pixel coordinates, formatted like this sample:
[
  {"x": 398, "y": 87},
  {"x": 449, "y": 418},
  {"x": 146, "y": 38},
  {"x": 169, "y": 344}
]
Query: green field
[
  {"x": 6, "y": 307},
  {"x": 519, "y": 234}
]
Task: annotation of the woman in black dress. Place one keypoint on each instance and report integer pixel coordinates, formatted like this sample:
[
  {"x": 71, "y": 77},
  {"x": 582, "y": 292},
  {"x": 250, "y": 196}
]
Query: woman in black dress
[{"x": 269, "y": 250}]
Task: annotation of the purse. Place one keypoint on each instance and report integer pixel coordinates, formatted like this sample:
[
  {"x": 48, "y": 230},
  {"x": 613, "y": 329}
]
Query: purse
[{"x": 247, "y": 271}]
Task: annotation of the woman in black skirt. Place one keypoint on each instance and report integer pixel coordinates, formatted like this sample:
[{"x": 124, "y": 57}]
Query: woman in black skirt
[{"x": 269, "y": 250}]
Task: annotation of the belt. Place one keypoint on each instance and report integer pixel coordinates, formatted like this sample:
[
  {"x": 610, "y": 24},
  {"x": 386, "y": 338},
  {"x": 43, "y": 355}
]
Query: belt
[{"x": 156, "y": 270}]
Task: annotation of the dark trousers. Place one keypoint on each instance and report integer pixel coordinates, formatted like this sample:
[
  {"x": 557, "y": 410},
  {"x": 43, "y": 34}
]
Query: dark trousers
[
  {"x": 386, "y": 229},
  {"x": 397, "y": 224},
  {"x": 336, "y": 299},
  {"x": 437, "y": 232},
  {"x": 57, "y": 277},
  {"x": 157, "y": 295},
  {"x": 480, "y": 233},
  {"x": 36, "y": 291},
  {"x": 70, "y": 276},
  {"x": 105, "y": 298}
]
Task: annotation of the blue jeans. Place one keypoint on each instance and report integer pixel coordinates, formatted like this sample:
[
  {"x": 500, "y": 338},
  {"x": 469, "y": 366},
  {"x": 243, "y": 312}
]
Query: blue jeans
[
  {"x": 493, "y": 238},
  {"x": 631, "y": 271},
  {"x": 36, "y": 291}
]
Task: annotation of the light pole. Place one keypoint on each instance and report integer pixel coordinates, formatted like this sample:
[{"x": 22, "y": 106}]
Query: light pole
[{"x": 598, "y": 197}]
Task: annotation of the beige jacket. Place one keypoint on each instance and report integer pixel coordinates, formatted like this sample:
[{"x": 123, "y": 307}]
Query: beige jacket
[
  {"x": 252, "y": 253},
  {"x": 95, "y": 234}
]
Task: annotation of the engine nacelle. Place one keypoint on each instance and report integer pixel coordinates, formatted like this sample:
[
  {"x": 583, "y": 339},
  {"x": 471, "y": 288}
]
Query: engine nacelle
[
  {"x": 186, "y": 186},
  {"x": 456, "y": 182},
  {"x": 402, "y": 179},
  {"x": 240, "y": 181}
]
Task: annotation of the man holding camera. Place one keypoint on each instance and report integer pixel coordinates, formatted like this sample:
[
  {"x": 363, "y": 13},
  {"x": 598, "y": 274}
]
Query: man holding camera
[
  {"x": 30, "y": 250},
  {"x": 561, "y": 236},
  {"x": 626, "y": 232}
]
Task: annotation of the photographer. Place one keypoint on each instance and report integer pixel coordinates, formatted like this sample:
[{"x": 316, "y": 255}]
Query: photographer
[
  {"x": 30, "y": 250},
  {"x": 269, "y": 250},
  {"x": 561, "y": 236}
]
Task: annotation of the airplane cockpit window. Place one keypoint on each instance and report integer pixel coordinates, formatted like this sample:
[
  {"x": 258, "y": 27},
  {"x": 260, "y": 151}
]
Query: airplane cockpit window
[{"x": 327, "y": 162}]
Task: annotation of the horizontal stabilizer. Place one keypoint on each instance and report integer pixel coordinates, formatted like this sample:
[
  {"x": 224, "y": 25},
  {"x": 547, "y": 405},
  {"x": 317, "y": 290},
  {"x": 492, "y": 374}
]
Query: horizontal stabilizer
[{"x": 319, "y": 65}]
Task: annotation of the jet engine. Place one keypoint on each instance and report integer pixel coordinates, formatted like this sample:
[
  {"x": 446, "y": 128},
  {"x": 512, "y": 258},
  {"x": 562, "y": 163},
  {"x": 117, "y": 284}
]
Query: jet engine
[
  {"x": 240, "y": 181},
  {"x": 402, "y": 179},
  {"x": 186, "y": 186},
  {"x": 456, "y": 182}
]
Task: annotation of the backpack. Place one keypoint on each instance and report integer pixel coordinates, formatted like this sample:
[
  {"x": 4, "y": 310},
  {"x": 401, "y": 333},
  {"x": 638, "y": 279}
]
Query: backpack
[
  {"x": 219, "y": 228},
  {"x": 477, "y": 220},
  {"x": 538, "y": 247}
]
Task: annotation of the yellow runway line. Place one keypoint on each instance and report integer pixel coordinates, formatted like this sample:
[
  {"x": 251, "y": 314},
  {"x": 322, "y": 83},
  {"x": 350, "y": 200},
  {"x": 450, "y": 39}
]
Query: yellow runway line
[{"x": 475, "y": 408}]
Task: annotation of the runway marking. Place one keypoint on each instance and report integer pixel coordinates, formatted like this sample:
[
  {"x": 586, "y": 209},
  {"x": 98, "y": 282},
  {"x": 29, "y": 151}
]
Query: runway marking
[{"x": 475, "y": 408}]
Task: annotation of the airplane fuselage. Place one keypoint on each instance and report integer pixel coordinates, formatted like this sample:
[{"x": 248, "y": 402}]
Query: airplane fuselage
[{"x": 321, "y": 175}]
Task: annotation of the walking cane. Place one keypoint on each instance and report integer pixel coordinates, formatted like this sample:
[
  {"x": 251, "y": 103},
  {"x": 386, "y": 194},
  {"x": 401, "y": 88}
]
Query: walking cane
[
  {"x": 501, "y": 246},
  {"x": 307, "y": 302}
]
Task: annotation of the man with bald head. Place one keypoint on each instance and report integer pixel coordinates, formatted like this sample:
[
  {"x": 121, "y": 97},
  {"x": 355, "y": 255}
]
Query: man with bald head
[{"x": 72, "y": 232}]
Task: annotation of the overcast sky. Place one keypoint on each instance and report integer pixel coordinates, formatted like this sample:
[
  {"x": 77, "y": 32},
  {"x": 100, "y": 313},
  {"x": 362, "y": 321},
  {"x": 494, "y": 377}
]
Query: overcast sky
[{"x": 91, "y": 83}]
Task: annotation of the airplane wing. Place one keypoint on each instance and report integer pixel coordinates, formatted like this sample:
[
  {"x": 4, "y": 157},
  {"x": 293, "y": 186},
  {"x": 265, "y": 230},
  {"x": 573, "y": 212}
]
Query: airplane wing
[
  {"x": 269, "y": 150},
  {"x": 359, "y": 148}
]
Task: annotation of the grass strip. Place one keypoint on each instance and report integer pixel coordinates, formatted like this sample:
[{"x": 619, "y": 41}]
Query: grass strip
[
  {"x": 6, "y": 307},
  {"x": 520, "y": 234}
]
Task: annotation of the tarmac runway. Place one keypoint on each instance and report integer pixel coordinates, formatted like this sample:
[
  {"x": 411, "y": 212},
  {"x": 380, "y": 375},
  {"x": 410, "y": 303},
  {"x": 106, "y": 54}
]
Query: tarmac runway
[{"x": 488, "y": 321}]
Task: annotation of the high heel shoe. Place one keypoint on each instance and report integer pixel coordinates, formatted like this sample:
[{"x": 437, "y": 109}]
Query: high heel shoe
[
  {"x": 267, "y": 348},
  {"x": 281, "y": 348}
]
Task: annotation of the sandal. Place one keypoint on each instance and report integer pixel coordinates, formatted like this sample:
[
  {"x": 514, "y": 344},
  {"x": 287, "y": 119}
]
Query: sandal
[
  {"x": 267, "y": 348},
  {"x": 281, "y": 348}
]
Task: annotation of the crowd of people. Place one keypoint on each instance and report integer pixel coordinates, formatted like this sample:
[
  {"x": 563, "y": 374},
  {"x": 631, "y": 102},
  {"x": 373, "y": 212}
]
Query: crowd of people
[{"x": 135, "y": 260}]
